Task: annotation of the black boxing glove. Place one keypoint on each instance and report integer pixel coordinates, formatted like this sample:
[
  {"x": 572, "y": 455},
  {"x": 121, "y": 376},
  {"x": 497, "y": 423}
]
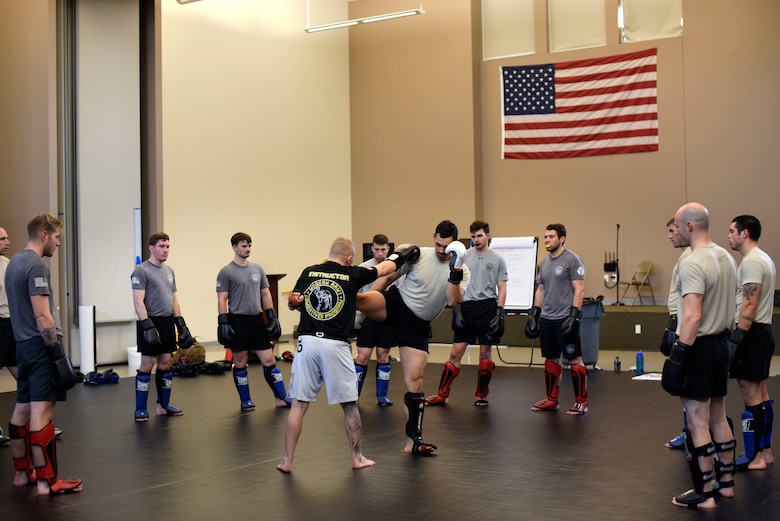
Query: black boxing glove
[
  {"x": 670, "y": 336},
  {"x": 532, "y": 326},
  {"x": 496, "y": 327},
  {"x": 571, "y": 326},
  {"x": 272, "y": 327},
  {"x": 458, "y": 320},
  {"x": 403, "y": 254},
  {"x": 673, "y": 378},
  {"x": 150, "y": 334},
  {"x": 64, "y": 375},
  {"x": 225, "y": 334},
  {"x": 738, "y": 336},
  {"x": 183, "y": 337}
]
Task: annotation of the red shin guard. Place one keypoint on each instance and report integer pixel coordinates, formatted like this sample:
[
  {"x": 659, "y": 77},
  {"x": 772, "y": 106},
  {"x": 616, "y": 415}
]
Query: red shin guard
[
  {"x": 579, "y": 378},
  {"x": 23, "y": 464},
  {"x": 484, "y": 374},
  {"x": 448, "y": 374},
  {"x": 44, "y": 439},
  {"x": 552, "y": 375}
]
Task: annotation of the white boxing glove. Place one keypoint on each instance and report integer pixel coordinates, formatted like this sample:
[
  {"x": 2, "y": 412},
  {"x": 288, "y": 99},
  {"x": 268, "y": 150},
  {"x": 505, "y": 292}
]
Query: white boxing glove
[{"x": 458, "y": 250}]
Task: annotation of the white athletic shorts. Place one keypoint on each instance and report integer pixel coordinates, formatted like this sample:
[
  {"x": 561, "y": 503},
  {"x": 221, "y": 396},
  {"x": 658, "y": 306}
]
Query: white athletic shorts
[{"x": 323, "y": 360}]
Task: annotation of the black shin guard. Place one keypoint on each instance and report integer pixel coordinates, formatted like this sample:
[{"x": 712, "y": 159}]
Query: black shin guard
[
  {"x": 698, "y": 476},
  {"x": 415, "y": 402},
  {"x": 722, "y": 468}
]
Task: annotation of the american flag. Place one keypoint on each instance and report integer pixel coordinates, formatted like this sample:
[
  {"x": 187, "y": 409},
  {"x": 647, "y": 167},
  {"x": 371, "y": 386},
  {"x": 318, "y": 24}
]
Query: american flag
[{"x": 581, "y": 108}]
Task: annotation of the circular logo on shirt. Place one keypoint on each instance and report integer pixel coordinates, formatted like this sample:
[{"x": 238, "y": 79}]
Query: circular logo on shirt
[
  {"x": 255, "y": 278},
  {"x": 324, "y": 299},
  {"x": 558, "y": 271},
  {"x": 569, "y": 349}
]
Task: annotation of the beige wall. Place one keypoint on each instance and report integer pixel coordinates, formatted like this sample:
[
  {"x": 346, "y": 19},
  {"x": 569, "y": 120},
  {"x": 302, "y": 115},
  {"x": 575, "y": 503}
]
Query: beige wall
[
  {"x": 414, "y": 134},
  {"x": 28, "y": 144},
  {"x": 718, "y": 123},
  {"x": 255, "y": 137}
]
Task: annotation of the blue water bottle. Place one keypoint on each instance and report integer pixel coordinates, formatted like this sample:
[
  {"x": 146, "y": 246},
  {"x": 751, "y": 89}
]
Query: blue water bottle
[{"x": 640, "y": 363}]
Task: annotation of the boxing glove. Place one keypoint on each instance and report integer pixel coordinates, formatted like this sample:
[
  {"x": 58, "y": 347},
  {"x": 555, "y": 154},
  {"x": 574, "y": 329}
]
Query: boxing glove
[
  {"x": 673, "y": 378},
  {"x": 736, "y": 353},
  {"x": 458, "y": 320},
  {"x": 293, "y": 303},
  {"x": 403, "y": 254},
  {"x": 150, "y": 334},
  {"x": 458, "y": 250},
  {"x": 670, "y": 336},
  {"x": 738, "y": 336},
  {"x": 225, "y": 334},
  {"x": 571, "y": 326},
  {"x": 532, "y": 326},
  {"x": 272, "y": 326},
  {"x": 496, "y": 327},
  {"x": 183, "y": 336},
  {"x": 64, "y": 374}
]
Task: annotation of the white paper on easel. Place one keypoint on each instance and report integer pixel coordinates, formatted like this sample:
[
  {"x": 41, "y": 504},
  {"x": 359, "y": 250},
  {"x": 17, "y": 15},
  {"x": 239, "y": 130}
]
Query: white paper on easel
[{"x": 87, "y": 338}]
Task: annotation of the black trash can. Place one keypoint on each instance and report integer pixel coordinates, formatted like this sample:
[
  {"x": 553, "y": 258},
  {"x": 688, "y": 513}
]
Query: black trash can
[{"x": 592, "y": 311}]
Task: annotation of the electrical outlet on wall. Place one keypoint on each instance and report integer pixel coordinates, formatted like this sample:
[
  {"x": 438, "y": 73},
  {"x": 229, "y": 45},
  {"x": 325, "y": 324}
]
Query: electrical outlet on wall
[{"x": 637, "y": 329}]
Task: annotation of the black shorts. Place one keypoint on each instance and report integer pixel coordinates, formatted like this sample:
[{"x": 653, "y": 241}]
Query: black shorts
[
  {"x": 36, "y": 373},
  {"x": 7, "y": 344},
  {"x": 167, "y": 332},
  {"x": 250, "y": 333},
  {"x": 410, "y": 330},
  {"x": 707, "y": 367},
  {"x": 376, "y": 334},
  {"x": 477, "y": 314},
  {"x": 753, "y": 356},
  {"x": 552, "y": 341}
]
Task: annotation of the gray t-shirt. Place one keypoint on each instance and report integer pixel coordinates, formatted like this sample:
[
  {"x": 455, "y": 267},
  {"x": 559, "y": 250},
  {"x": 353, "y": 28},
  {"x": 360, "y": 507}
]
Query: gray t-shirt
[
  {"x": 424, "y": 290},
  {"x": 757, "y": 268},
  {"x": 28, "y": 275},
  {"x": 557, "y": 274},
  {"x": 709, "y": 271},
  {"x": 243, "y": 285},
  {"x": 486, "y": 270},
  {"x": 159, "y": 283},
  {"x": 672, "y": 302}
]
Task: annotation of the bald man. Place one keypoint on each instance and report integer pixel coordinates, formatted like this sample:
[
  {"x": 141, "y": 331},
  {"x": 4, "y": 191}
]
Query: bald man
[{"x": 699, "y": 361}]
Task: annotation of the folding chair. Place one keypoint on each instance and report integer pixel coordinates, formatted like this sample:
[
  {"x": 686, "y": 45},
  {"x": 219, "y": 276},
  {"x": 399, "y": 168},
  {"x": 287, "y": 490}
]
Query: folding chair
[{"x": 639, "y": 280}]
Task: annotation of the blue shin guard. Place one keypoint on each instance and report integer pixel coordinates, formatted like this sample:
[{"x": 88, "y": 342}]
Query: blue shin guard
[
  {"x": 276, "y": 382},
  {"x": 769, "y": 417},
  {"x": 142, "y": 381},
  {"x": 164, "y": 381},
  {"x": 748, "y": 438},
  {"x": 241, "y": 379},
  {"x": 360, "y": 371},
  {"x": 383, "y": 384}
]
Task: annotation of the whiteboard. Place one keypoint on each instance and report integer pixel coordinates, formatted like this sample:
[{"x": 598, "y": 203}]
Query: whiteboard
[{"x": 520, "y": 256}]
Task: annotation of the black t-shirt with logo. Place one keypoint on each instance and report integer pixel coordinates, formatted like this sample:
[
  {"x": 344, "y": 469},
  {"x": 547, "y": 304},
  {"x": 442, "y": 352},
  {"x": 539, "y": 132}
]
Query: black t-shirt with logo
[{"x": 330, "y": 297}]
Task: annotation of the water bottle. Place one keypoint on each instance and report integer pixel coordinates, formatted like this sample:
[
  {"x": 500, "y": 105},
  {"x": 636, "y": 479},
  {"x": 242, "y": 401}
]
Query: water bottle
[
  {"x": 640, "y": 363},
  {"x": 617, "y": 363}
]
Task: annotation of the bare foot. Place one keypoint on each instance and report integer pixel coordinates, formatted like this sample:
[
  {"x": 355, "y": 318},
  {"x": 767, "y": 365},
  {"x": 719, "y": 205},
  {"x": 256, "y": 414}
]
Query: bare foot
[
  {"x": 768, "y": 457},
  {"x": 362, "y": 462},
  {"x": 281, "y": 404},
  {"x": 707, "y": 503},
  {"x": 758, "y": 462},
  {"x": 726, "y": 492},
  {"x": 168, "y": 411},
  {"x": 284, "y": 466},
  {"x": 408, "y": 447},
  {"x": 22, "y": 479}
]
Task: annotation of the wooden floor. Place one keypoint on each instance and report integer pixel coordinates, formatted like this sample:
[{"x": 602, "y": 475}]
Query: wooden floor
[{"x": 503, "y": 462}]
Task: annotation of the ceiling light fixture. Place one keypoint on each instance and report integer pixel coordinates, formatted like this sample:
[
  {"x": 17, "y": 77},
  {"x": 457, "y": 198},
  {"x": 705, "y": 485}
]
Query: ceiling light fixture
[{"x": 356, "y": 21}]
